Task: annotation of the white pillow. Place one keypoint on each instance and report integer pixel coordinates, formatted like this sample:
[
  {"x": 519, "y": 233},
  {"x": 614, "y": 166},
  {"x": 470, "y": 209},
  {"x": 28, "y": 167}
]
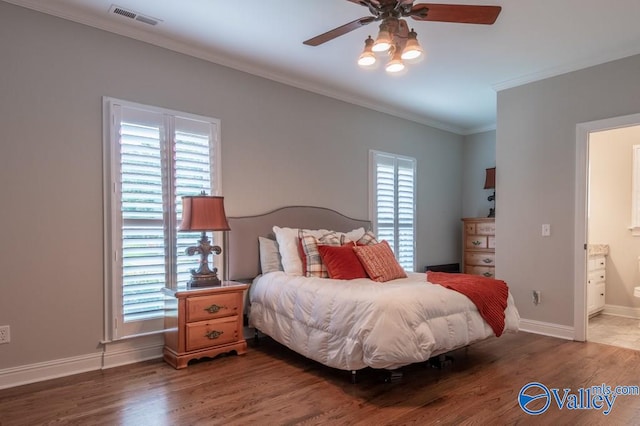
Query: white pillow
[
  {"x": 354, "y": 235},
  {"x": 287, "y": 239},
  {"x": 269, "y": 255}
]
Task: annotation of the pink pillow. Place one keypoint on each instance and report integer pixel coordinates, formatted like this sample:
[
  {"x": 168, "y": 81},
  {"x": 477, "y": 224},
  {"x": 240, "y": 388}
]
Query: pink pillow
[
  {"x": 341, "y": 262},
  {"x": 379, "y": 262}
]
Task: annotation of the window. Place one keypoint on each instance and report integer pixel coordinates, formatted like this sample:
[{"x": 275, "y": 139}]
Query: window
[
  {"x": 153, "y": 157},
  {"x": 393, "y": 203}
]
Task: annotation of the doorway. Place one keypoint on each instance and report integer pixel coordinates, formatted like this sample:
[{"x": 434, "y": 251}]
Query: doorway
[{"x": 583, "y": 301}]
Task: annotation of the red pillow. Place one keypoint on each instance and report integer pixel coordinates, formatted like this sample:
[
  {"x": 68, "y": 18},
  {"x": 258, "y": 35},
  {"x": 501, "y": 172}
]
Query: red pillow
[
  {"x": 379, "y": 262},
  {"x": 342, "y": 262}
]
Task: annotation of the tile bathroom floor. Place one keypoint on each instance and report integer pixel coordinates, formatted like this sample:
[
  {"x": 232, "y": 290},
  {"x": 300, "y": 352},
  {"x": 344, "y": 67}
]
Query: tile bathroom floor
[{"x": 615, "y": 331}]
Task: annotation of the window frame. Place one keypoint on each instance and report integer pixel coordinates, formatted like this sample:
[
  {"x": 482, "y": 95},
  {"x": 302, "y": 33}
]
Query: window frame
[
  {"x": 115, "y": 327},
  {"x": 374, "y": 155}
]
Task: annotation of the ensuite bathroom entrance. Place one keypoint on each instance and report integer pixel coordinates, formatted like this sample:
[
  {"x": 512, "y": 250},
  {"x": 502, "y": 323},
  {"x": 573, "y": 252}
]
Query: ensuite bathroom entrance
[{"x": 613, "y": 237}]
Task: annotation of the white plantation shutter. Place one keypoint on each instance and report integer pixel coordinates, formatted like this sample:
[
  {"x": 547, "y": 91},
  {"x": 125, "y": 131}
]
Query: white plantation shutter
[
  {"x": 157, "y": 156},
  {"x": 393, "y": 203}
]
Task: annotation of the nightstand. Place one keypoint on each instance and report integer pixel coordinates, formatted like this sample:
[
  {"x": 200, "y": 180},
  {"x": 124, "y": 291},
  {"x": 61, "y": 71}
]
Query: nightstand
[{"x": 203, "y": 322}]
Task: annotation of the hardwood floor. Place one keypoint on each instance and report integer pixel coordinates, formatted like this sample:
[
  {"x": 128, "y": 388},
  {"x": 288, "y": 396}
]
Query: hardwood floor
[{"x": 271, "y": 385}]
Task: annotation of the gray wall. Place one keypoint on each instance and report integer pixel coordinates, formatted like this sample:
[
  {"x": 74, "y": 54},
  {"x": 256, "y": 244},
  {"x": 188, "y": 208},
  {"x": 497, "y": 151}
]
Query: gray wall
[
  {"x": 535, "y": 157},
  {"x": 479, "y": 154},
  {"x": 280, "y": 146}
]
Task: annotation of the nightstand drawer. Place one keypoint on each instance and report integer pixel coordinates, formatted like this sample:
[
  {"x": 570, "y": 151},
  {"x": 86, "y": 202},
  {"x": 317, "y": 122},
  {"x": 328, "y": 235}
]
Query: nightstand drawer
[
  {"x": 213, "y": 306},
  {"x": 204, "y": 334}
]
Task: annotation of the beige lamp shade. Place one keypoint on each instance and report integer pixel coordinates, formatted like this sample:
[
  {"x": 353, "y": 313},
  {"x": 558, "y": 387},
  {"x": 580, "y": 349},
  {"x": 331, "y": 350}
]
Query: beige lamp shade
[
  {"x": 490, "y": 178},
  {"x": 203, "y": 213}
]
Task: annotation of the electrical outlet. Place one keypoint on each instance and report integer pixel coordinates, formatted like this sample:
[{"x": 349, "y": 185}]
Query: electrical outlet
[
  {"x": 546, "y": 230},
  {"x": 5, "y": 336},
  {"x": 537, "y": 297}
]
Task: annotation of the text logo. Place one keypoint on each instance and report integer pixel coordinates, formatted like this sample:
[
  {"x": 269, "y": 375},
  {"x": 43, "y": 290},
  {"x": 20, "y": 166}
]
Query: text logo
[{"x": 533, "y": 394}]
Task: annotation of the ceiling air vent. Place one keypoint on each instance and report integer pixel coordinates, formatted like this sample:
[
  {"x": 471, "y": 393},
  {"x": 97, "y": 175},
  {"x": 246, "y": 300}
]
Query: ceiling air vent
[{"x": 117, "y": 10}]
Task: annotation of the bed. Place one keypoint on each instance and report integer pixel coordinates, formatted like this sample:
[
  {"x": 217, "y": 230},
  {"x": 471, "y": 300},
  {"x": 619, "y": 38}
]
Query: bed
[{"x": 350, "y": 324}]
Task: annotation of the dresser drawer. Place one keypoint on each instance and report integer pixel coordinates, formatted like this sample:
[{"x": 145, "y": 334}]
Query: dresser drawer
[
  {"x": 486, "y": 228},
  {"x": 213, "y": 306},
  {"x": 469, "y": 228},
  {"x": 204, "y": 334},
  {"x": 475, "y": 241},
  {"x": 485, "y": 271},
  {"x": 480, "y": 259}
]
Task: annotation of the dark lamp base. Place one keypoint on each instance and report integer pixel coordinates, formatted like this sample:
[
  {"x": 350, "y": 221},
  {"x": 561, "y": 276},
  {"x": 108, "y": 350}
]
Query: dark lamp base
[{"x": 204, "y": 281}]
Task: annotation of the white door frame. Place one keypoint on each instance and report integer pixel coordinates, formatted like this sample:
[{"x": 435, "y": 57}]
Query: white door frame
[{"x": 583, "y": 130}]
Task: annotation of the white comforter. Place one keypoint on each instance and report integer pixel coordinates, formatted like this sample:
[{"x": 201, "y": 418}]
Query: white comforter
[{"x": 355, "y": 324}]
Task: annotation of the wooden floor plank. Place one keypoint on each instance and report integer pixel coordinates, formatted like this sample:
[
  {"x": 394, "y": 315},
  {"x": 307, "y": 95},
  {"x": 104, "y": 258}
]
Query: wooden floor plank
[{"x": 271, "y": 385}]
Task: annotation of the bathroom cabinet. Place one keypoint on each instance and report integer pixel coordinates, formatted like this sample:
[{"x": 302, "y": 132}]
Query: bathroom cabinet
[{"x": 596, "y": 278}]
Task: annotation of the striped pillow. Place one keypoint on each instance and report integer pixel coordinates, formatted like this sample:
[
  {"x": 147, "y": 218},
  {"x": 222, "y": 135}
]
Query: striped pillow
[{"x": 379, "y": 262}]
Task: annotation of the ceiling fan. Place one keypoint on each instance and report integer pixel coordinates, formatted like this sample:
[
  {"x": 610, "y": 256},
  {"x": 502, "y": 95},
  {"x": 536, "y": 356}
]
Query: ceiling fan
[{"x": 394, "y": 35}]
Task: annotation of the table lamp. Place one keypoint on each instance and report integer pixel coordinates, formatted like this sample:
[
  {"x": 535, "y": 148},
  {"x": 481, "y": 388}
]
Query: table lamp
[{"x": 203, "y": 213}]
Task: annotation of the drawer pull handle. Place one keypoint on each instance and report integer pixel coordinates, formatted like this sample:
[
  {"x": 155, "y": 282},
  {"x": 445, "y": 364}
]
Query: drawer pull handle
[
  {"x": 488, "y": 274},
  {"x": 214, "y": 334},
  {"x": 476, "y": 243},
  {"x": 214, "y": 309},
  {"x": 487, "y": 260}
]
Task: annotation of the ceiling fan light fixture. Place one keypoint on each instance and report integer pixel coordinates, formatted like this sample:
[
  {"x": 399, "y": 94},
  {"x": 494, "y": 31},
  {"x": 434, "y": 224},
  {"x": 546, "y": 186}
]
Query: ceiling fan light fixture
[
  {"x": 412, "y": 50},
  {"x": 383, "y": 41},
  {"x": 395, "y": 65},
  {"x": 367, "y": 57}
]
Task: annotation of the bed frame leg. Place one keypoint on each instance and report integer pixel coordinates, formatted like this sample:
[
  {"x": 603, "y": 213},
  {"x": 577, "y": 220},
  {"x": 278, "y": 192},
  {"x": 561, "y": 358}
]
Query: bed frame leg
[
  {"x": 354, "y": 376},
  {"x": 393, "y": 376},
  {"x": 256, "y": 336},
  {"x": 440, "y": 361}
]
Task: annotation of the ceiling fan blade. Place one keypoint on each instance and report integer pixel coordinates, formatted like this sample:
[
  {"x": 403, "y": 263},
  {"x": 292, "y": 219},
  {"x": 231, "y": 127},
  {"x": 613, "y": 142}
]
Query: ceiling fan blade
[
  {"x": 337, "y": 32},
  {"x": 461, "y": 13}
]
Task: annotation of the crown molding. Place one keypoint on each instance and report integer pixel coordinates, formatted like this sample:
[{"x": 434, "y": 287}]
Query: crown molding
[
  {"x": 567, "y": 68},
  {"x": 131, "y": 31}
]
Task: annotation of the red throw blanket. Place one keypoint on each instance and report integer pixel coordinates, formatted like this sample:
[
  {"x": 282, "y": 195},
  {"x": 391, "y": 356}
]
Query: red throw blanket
[{"x": 488, "y": 294}]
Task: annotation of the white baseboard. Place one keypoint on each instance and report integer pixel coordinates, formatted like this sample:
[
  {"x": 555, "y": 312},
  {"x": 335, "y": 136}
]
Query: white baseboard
[
  {"x": 114, "y": 354},
  {"x": 547, "y": 329},
  {"x": 622, "y": 311},
  {"x": 129, "y": 351},
  {"x": 22, "y": 375}
]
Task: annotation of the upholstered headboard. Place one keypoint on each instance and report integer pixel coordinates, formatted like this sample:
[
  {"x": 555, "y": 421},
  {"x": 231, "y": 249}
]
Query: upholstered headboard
[{"x": 242, "y": 249}]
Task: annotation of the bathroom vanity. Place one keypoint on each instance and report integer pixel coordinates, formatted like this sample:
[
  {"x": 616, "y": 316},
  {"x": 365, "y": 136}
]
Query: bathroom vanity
[{"x": 596, "y": 277}]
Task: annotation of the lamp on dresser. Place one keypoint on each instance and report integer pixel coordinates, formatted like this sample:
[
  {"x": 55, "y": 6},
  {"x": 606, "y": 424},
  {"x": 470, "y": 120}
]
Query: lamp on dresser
[
  {"x": 490, "y": 183},
  {"x": 203, "y": 213}
]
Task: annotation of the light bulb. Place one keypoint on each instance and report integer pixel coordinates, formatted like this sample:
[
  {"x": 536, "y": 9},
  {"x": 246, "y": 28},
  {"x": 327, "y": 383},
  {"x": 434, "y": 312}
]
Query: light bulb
[
  {"x": 395, "y": 65},
  {"x": 383, "y": 42},
  {"x": 412, "y": 50},
  {"x": 367, "y": 58}
]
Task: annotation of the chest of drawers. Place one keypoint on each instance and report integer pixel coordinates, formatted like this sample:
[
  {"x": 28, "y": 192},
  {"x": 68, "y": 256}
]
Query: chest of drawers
[
  {"x": 478, "y": 246},
  {"x": 203, "y": 323}
]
